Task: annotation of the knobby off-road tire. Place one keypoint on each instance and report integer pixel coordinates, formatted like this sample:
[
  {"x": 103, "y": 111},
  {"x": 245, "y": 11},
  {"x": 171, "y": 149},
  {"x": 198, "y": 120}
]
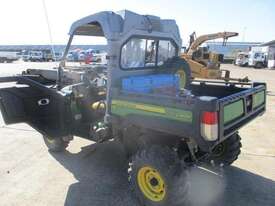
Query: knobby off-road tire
[
  {"x": 55, "y": 144},
  {"x": 158, "y": 178},
  {"x": 226, "y": 152},
  {"x": 259, "y": 65}
]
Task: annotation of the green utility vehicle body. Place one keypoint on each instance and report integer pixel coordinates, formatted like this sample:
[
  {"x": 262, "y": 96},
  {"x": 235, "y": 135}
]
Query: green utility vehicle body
[
  {"x": 59, "y": 108},
  {"x": 182, "y": 116}
]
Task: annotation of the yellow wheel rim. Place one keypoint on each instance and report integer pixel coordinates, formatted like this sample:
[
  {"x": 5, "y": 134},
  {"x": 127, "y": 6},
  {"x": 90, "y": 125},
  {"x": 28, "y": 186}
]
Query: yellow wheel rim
[
  {"x": 182, "y": 76},
  {"x": 151, "y": 184}
]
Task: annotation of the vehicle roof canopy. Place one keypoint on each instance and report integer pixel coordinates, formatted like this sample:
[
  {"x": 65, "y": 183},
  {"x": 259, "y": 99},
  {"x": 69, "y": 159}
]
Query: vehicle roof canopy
[{"x": 110, "y": 24}]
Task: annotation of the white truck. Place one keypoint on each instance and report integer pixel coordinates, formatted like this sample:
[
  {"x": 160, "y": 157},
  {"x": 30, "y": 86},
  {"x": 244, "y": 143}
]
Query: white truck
[
  {"x": 33, "y": 56},
  {"x": 8, "y": 56},
  {"x": 271, "y": 58},
  {"x": 100, "y": 57},
  {"x": 242, "y": 59},
  {"x": 257, "y": 59}
]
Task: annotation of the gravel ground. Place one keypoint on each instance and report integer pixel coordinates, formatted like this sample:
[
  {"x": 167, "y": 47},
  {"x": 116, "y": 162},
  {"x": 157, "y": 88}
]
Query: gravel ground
[{"x": 89, "y": 174}]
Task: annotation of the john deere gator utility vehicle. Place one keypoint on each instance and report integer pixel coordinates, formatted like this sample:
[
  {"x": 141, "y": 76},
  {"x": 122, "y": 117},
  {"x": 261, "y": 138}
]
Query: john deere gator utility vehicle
[{"x": 145, "y": 99}]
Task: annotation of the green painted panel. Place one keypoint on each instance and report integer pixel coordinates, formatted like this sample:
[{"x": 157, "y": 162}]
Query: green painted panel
[
  {"x": 233, "y": 111},
  {"x": 258, "y": 99},
  {"x": 124, "y": 108}
]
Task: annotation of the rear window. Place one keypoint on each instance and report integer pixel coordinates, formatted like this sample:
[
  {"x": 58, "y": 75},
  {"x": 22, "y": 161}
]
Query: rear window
[
  {"x": 133, "y": 53},
  {"x": 146, "y": 53}
]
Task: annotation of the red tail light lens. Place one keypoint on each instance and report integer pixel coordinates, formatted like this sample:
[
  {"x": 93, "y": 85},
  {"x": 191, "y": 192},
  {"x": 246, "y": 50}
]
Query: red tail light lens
[
  {"x": 209, "y": 118},
  {"x": 209, "y": 126}
]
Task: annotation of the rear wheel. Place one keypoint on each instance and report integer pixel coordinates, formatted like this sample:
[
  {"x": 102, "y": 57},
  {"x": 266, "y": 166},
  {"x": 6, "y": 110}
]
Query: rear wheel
[
  {"x": 244, "y": 65},
  {"x": 226, "y": 152},
  {"x": 158, "y": 178},
  {"x": 56, "y": 144},
  {"x": 4, "y": 60}
]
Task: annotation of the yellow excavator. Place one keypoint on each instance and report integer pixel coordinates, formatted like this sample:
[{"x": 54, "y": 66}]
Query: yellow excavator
[{"x": 203, "y": 63}]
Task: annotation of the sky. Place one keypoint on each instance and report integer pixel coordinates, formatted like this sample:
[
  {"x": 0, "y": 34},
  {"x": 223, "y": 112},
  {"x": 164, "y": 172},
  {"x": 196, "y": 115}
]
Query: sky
[{"x": 24, "y": 22}]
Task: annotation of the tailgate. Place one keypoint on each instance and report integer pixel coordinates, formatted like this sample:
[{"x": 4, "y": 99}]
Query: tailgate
[
  {"x": 31, "y": 102},
  {"x": 238, "y": 109}
]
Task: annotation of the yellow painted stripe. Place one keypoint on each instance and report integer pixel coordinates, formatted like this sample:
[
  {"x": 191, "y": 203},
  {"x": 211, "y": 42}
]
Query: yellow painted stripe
[
  {"x": 124, "y": 108},
  {"x": 143, "y": 107},
  {"x": 150, "y": 108}
]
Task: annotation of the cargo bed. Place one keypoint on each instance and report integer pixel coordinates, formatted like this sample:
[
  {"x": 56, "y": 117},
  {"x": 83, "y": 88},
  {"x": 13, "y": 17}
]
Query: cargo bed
[{"x": 236, "y": 104}]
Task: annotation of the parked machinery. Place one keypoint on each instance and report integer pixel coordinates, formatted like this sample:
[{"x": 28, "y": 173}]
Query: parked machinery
[{"x": 204, "y": 63}]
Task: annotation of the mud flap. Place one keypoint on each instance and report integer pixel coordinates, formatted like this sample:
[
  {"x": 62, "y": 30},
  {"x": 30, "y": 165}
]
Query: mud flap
[{"x": 43, "y": 108}]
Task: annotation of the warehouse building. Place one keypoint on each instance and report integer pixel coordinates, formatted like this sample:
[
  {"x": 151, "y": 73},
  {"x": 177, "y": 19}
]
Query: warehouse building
[{"x": 231, "y": 49}]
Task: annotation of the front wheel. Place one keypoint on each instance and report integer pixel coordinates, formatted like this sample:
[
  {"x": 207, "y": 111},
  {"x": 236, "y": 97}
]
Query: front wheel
[
  {"x": 56, "y": 144},
  {"x": 158, "y": 178},
  {"x": 259, "y": 65}
]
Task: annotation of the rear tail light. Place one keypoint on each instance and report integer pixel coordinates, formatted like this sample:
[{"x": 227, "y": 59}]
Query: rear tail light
[{"x": 209, "y": 126}]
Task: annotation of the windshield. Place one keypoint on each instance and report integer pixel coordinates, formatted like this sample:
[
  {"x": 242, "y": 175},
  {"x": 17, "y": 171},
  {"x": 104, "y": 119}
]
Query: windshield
[
  {"x": 82, "y": 50},
  {"x": 259, "y": 55},
  {"x": 146, "y": 53}
]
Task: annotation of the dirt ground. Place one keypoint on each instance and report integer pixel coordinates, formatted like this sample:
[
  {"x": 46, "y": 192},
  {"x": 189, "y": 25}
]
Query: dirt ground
[{"x": 89, "y": 174}]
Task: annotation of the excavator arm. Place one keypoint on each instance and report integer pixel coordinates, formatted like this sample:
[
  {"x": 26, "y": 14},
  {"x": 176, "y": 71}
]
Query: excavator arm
[{"x": 195, "y": 43}]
